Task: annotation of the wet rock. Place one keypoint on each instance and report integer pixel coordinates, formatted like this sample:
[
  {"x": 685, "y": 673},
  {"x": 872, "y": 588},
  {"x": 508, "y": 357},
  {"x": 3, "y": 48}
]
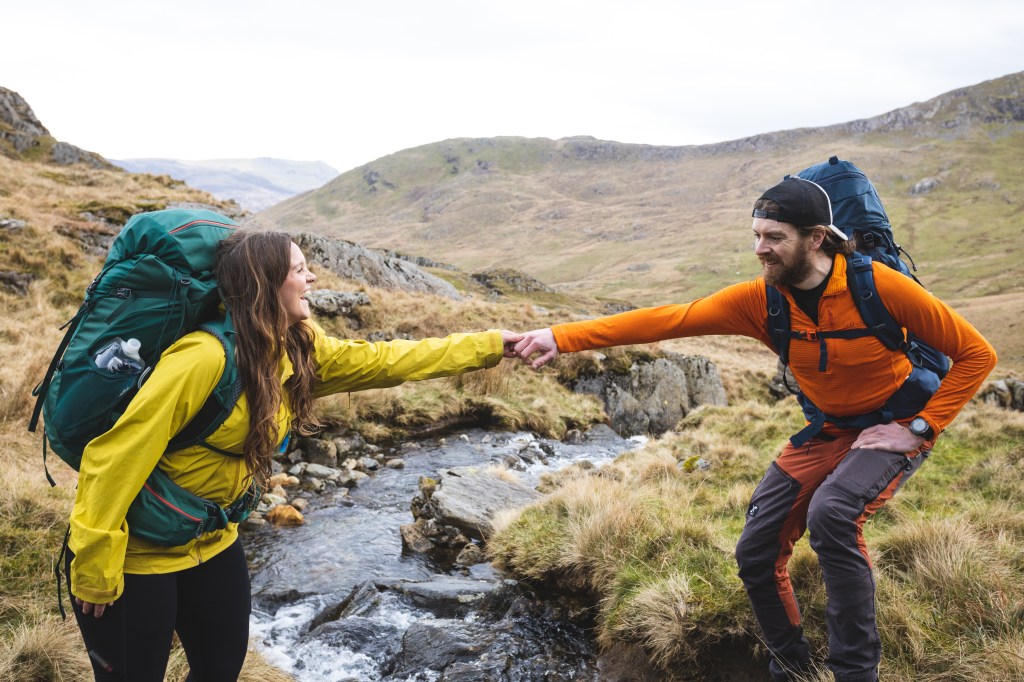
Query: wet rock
[
  {"x": 314, "y": 485},
  {"x": 322, "y": 452},
  {"x": 284, "y": 480},
  {"x": 470, "y": 556},
  {"x": 468, "y": 499},
  {"x": 448, "y": 596},
  {"x": 431, "y": 645},
  {"x": 285, "y": 515},
  {"x": 272, "y": 499},
  {"x": 415, "y": 536},
  {"x": 372, "y": 638},
  {"x": 320, "y": 471},
  {"x": 361, "y": 600},
  {"x": 426, "y": 535},
  {"x": 348, "y": 445},
  {"x": 255, "y": 520}
]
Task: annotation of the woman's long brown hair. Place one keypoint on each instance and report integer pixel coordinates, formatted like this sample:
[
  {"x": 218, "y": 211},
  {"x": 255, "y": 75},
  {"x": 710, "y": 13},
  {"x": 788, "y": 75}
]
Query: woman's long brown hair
[{"x": 251, "y": 265}]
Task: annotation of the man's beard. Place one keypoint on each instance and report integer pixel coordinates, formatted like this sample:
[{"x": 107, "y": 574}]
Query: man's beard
[{"x": 789, "y": 274}]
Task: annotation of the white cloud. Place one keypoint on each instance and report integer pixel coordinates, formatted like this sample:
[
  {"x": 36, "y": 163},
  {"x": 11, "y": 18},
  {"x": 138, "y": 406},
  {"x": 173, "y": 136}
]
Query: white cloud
[{"x": 347, "y": 82}]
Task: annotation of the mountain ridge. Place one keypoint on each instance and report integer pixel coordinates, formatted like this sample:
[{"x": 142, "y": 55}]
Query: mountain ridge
[{"x": 642, "y": 221}]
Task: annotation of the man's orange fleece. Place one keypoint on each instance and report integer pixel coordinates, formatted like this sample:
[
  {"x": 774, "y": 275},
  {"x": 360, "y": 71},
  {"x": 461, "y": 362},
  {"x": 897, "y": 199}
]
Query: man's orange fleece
[{"x": 861, "y": 373}]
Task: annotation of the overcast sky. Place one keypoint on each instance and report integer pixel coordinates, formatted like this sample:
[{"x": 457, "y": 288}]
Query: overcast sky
[{"x": 348, "y": 82}]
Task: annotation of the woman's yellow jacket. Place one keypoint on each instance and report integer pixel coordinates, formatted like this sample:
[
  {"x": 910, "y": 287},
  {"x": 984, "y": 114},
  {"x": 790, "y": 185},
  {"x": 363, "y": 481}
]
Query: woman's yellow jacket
[{"x": 116, "y": 464}]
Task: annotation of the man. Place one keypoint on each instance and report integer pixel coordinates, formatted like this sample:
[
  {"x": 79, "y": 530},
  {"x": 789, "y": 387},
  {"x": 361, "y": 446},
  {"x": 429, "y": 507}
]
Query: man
[{"x": 832, "y": 483}]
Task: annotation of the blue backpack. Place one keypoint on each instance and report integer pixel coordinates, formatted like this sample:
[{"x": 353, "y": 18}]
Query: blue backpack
[{"x": 858, "y": 211}]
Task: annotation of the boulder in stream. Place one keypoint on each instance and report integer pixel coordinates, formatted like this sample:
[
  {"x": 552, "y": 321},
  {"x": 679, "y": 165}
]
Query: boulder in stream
[{"x": 468, "y": 498}]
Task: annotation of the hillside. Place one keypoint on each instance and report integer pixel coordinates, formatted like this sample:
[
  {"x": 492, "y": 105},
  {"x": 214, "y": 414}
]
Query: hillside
[
  {"x": 254, "y": 183},
  {"x": 945, "y": 614},
  {"x": 654, "y": 224}
]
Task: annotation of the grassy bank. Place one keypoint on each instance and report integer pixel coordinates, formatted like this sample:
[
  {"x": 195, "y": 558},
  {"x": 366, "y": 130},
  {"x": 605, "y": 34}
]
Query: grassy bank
[{"x": 650, "y": 539}]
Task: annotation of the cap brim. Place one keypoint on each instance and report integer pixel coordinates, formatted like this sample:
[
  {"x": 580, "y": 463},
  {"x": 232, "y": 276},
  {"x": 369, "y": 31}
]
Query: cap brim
[{"x": 839, "y": 233}]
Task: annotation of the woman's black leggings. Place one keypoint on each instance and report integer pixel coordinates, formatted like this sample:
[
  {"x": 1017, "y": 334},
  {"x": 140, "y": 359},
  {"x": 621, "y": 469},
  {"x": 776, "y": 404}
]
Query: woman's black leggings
[{"x": 207, "y": 605}]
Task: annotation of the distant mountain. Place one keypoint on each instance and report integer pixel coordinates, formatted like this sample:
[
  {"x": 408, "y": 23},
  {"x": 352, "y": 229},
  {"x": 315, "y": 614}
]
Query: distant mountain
[
  {"x": 657, "y": 223},
  {"x": 254, "y": 184}
]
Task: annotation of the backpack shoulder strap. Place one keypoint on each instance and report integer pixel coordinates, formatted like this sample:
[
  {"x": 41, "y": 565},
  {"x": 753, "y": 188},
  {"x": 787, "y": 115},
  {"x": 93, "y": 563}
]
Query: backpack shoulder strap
[
  {"x": 778, "y": 322},
  {"x": 861, "y": 279},
  {"x": 223, "y": 398}
]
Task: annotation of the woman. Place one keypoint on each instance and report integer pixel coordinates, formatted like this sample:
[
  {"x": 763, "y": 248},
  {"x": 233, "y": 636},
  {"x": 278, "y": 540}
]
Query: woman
[{"x": 130, "y": 595}]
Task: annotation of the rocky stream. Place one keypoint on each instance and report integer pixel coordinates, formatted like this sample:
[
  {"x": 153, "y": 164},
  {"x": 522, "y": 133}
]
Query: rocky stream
[{"x": 340, "y": 599}]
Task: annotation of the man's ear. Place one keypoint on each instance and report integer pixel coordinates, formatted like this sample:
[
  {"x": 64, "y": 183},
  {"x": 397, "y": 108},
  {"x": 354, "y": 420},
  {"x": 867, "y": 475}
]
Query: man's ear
[{"x": 818, "y": 237}]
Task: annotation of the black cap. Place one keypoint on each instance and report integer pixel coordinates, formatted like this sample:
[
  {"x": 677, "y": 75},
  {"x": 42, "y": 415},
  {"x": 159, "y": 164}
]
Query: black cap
[{"x": 802, "y": 203}]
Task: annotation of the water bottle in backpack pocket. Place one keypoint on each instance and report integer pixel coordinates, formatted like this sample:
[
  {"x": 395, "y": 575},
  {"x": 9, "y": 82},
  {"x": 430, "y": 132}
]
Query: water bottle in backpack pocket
[{"x": 98, "y": 383}]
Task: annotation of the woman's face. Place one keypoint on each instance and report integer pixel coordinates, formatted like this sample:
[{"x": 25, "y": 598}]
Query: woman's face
[{"x": 296, "y": 285}]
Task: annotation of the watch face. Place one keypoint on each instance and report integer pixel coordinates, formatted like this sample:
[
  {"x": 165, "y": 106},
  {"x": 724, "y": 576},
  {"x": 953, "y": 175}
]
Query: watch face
[{"x": 918, "y": 426}]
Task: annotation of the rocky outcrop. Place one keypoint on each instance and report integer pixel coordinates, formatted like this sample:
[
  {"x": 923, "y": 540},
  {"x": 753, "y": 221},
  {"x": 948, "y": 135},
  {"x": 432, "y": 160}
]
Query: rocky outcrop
[
  {"x": 1006, "y": 393},
  {"x": 644, "y": 393},
  {"x": 16, "y": 283},
  {"x": 505, "y": 280},
  {"x": 346, "y": 304},
  {"x": 376, "y": 268},
  {"x": 19, "y": 126},
  {"x": 23, "y": 136}
]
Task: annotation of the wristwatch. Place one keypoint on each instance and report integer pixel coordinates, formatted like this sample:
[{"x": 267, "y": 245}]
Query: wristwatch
[{"x": 921, "y": 428}]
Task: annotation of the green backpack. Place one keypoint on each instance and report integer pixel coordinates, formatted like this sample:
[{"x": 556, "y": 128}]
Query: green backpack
[{"x": 156, "y": 285}]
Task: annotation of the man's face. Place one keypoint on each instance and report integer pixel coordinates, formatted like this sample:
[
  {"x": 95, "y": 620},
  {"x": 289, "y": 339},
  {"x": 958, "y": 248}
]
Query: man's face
[{"x": 783, "y": 252}]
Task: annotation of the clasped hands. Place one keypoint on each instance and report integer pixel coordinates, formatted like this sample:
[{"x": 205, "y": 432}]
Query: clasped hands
[{"x": 539, "y": 343}]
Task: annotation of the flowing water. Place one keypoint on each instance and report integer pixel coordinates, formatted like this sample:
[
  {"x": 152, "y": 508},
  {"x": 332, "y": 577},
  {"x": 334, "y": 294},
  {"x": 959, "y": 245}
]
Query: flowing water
[{"x": 352, "y": 543}]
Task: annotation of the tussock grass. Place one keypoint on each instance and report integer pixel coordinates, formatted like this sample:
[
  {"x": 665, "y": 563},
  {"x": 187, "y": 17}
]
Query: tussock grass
[
  {"x": 651, "y": 541},
  {"x": 43, "y": 650}
]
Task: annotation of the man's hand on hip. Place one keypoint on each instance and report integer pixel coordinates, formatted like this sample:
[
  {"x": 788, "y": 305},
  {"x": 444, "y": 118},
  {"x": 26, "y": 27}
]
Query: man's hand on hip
[{"x": 891, "y": 437}]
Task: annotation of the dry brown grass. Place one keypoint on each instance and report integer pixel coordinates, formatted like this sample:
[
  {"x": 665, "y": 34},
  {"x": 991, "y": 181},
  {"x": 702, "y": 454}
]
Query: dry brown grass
[{"x": 44, "y": 649}]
